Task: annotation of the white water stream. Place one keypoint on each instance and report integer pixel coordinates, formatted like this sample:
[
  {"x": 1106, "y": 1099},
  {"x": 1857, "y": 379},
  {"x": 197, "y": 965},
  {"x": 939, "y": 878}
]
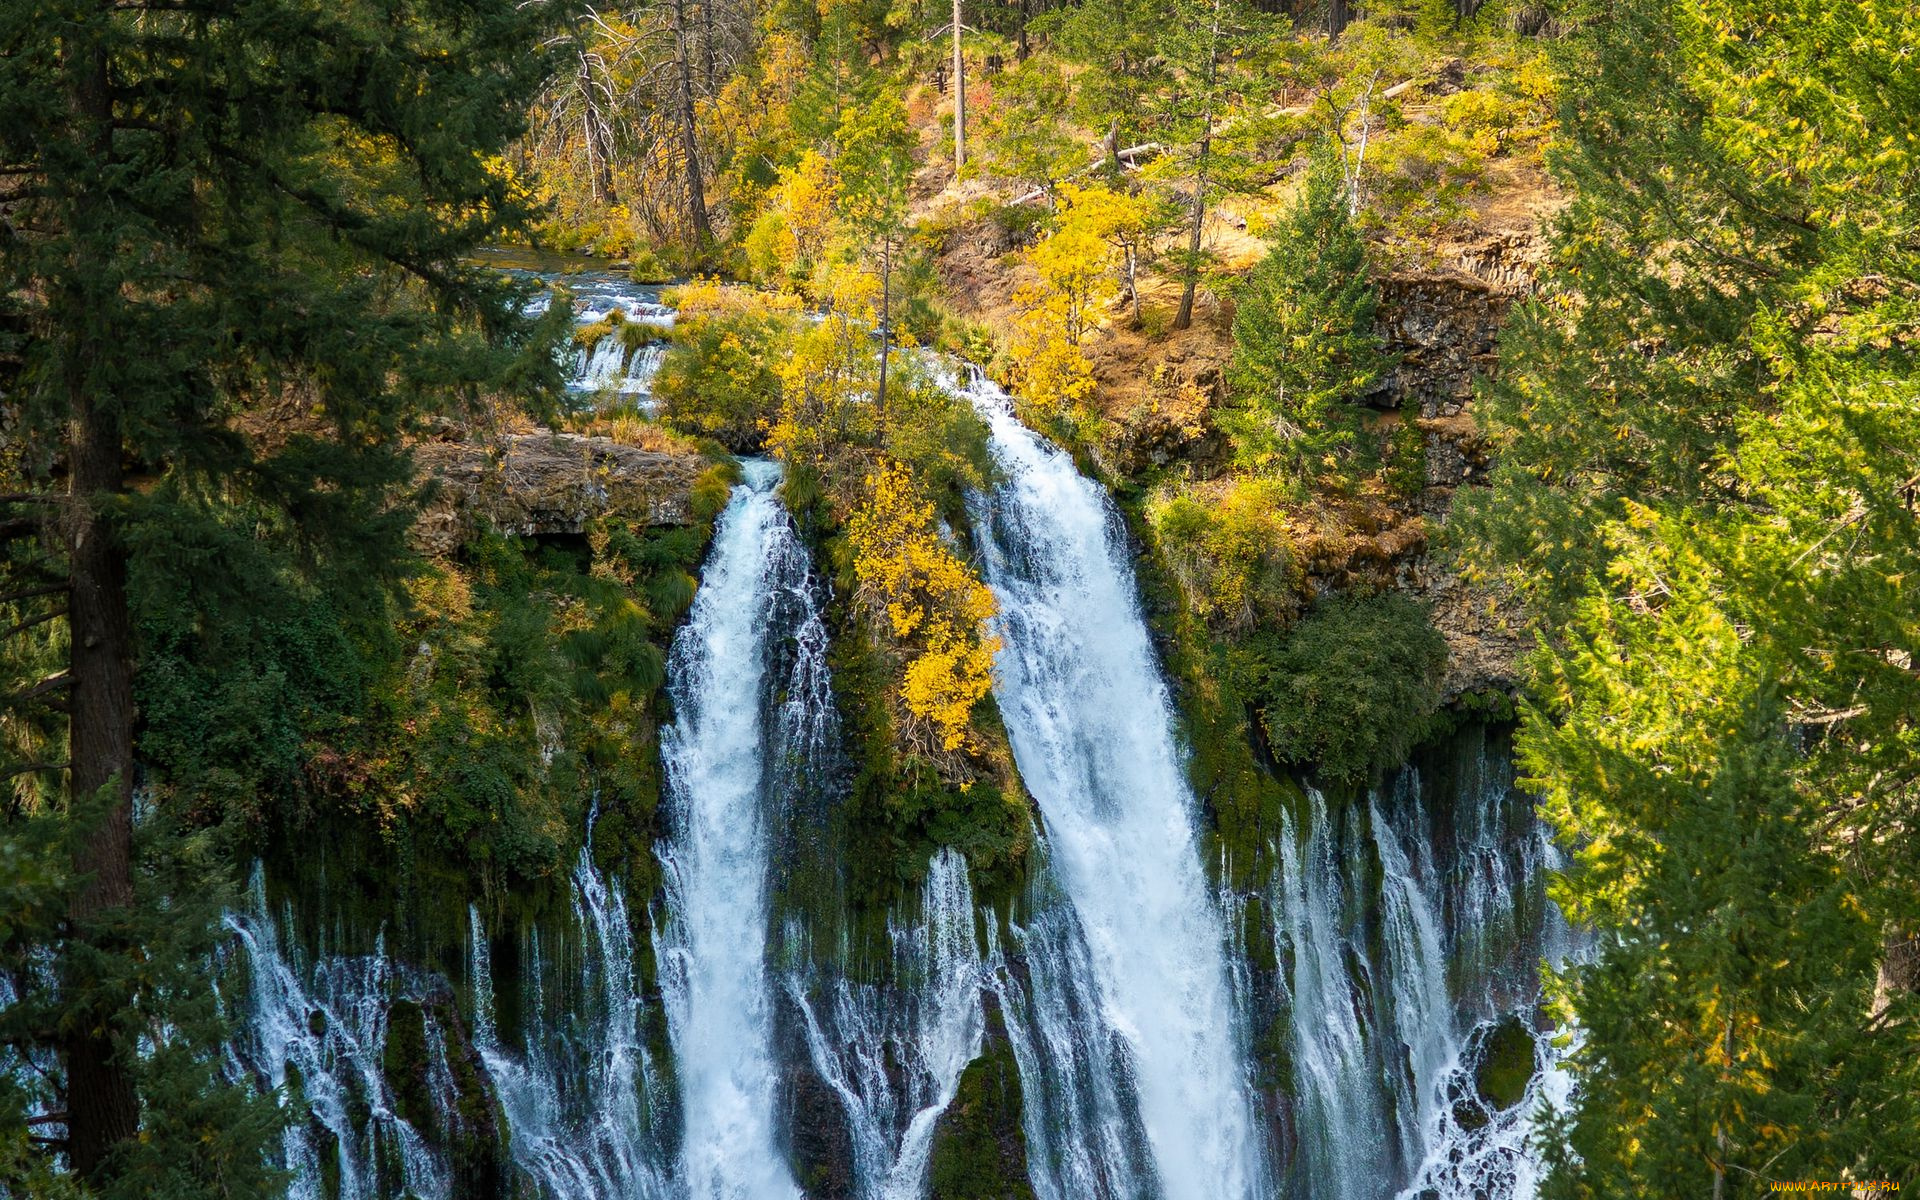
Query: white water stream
[
  {"x": 712, "y": 944},
  {"x": 1091, "y": 726}
]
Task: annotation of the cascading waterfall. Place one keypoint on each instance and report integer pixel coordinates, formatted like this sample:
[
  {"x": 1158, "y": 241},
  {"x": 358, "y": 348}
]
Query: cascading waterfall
[
  {"x": 320, "y": 1033},
  {"x": 1345, "y": 1119},
  {"x": 1405, "y": 929},
  {"x": 608, "y": 366},
  {"x": 1386, "y": 1048},
  {"x": 1499, "y": 925},
  {"x": 581, "y": 1094},
  {"x": 893, "y": 1054},
  {"x": 712, "y": 945},
  {"x": 1083, "y": 1134},
  {"x": 1091, "y": 726}
]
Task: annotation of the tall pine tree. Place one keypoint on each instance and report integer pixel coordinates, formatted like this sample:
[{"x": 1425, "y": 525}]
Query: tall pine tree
[
  {"x": 1709, "y": 425},
  {"x": 1304, "y": 349},
  {"x": 235, "y": 278}
]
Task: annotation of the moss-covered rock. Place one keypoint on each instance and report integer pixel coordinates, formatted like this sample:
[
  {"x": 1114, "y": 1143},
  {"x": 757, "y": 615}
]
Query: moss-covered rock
[
  {"x": 476, "y": 1141},
  {"x": 979, "y": 1147},
  {"x": 403, "y": 1061},
  {"x": 1506, "y": 1066}
]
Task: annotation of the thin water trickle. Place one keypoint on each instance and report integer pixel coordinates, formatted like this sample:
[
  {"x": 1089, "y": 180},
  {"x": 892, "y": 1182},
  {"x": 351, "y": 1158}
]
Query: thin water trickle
[{"x": 893, "y": 1052}]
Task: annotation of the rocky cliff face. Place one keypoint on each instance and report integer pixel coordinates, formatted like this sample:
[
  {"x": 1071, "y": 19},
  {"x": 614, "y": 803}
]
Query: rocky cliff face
[
  {"x": 548, "y": 483},
  {"x": 1443, "y": 323}
]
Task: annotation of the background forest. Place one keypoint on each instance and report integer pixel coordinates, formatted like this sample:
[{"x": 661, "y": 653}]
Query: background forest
[{"x": 1548, "y": 363}]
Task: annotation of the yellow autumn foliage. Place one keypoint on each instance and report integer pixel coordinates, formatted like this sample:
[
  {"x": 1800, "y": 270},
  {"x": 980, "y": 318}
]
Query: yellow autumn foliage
[
  {"x": 800, "y": 218},
  {"x": 826, "y": 380},
  {"x": 934, "y": 604},
  {"x": 1050, "y": 370}
]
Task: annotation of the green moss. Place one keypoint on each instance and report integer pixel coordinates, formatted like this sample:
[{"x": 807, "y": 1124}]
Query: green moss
[
  {"x": 979, "y": 1147},
  {"x": 478, "y": 1137},
  {"x": 404, "y": 1063},
  {"x": 1506, "y": 1064}
]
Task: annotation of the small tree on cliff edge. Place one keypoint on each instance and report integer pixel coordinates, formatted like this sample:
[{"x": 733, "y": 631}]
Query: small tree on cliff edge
[
  {"x": 233, "y": 238},
  {"x": 1303, "y": 342}
]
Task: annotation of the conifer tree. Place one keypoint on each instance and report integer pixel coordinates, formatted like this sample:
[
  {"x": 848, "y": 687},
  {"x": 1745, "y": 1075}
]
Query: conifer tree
[
  {"x": 1200, "y": 43},
  {"x": 235, "y": 278},
  {"x": 1709, "y": 429},
  {"x": 1304, "y": 348}
]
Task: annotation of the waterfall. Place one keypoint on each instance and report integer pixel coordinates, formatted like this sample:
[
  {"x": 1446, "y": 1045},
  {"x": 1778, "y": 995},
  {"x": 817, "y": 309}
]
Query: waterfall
[
  {"x": 893, "y": 1054},
  {"x": 1386, "y": 1043},
  {"x": 1397, "y": 939},
  {"x": 578, "y": 1090},
  {"x": 318, "y": 1035},
  {"x": 581, "y": 1093},
  {"x": 1346, "y": 1118},
  {"x": 712, "y": 944},
  {"x": 1091, "y": 725},
  {"x": 1500, "y": 925},
  {"x": 1083, "y": 1134}
]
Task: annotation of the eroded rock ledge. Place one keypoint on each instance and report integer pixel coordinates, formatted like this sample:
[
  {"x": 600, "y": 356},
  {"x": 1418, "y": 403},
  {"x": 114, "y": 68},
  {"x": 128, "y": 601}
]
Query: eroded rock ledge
[{"x": 548, "y": 483}]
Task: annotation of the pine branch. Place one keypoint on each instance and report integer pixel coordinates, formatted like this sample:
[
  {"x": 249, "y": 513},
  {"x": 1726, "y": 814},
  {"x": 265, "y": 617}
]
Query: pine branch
[
  {"x": 15, "y": 527},
  {"x": 44, "y": 617},
  {"x": 30, "y": 593},
  {"x": 52, "y": 684},
  {"x": 34, "y": 768}
]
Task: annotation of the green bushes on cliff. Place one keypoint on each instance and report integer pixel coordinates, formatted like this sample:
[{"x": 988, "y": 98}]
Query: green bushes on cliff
[
  {"x": 1354, "y": 686},
  {"x": 465, "y": 730}
]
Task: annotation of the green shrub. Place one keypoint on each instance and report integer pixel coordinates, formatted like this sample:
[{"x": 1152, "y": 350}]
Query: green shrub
[
  {"x": 1231, "y": 556},
  {"x": 647, "y": 265},
  {"x": 1354, "y": 686},
  {"x": 719, "y": 381}
]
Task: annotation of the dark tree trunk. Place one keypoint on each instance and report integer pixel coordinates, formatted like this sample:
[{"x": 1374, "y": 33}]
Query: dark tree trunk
[
  {"x": 712, "y": 55},
  {"x": 702, "y": 229},
  {"x": 1020, "y": 47},
  {"x": 1339, "y": 16},
  {"x": 103, "y": 1109}
]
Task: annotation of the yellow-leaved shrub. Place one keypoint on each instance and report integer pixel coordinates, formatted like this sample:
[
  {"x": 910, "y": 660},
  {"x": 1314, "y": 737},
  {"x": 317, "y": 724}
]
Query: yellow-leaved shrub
[{"x": 934, "y": 605}]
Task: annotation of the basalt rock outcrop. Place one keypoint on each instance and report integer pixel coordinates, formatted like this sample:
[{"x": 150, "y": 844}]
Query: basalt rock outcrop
[{"x": 547, "y": 483}]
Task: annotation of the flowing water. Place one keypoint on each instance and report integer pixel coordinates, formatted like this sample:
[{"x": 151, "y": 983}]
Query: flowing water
[
  {"x": 713, "y": 941},
  {"x": 1168, "y": 1046},
  {"x": 892, "y": 1053},
  {"x": 1092, "y": 731},
  {"x": 582, "y": 1097},
  {"x": 578, "y": 1093},
  {"x": 606, "y": 368}
]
